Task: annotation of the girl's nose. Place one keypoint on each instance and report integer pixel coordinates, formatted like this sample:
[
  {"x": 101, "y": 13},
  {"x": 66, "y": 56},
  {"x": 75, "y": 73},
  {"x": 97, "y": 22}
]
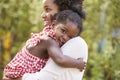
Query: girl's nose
[{"x": 65, "y": 38}]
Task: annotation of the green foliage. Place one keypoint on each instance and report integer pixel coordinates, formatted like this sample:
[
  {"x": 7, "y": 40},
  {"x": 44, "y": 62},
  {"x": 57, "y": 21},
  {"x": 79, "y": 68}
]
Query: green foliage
[
  {"x": 19, "y": 18},
  {"x": 102, "y": 20}
]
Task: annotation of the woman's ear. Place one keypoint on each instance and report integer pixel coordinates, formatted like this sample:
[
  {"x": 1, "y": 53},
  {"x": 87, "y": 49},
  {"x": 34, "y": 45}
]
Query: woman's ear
[{"x": 54, "y": 22}]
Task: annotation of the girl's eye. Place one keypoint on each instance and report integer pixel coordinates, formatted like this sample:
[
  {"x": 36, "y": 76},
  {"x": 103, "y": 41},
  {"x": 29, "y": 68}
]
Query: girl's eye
[
  {"x": 70, "y": 37},
  {"x": 63, "y": 31}
]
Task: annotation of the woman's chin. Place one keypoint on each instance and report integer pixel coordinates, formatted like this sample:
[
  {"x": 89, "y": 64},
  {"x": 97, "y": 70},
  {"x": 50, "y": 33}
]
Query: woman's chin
[{"x": 46, "y": 23}]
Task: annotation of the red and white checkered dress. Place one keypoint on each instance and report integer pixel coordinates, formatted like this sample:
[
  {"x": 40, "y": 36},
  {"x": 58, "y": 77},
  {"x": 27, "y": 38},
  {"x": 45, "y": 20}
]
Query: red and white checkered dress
[{"x": 24, "y": 62}]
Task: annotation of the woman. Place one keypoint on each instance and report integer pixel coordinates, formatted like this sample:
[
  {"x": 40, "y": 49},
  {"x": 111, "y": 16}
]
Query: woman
[{"x": 75, "y": 48}]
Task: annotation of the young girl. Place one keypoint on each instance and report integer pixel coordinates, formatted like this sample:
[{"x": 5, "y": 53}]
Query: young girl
[{"x": 34, "y": 54}]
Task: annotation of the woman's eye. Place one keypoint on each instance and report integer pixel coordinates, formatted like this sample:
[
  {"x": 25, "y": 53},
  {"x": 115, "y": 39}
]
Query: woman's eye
[{"x": 47, "y": 9}]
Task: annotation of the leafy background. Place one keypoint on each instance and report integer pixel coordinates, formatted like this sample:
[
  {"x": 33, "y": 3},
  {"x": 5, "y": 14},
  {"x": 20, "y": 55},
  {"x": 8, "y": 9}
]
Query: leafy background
[{"x": 18, "y": 18}]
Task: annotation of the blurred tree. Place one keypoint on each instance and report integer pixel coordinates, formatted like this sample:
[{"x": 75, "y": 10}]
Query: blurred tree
[
  {"x": 17, "y": 19},
  {"x": 102, "y": 33},
  {"x": 103, "y": 21}
]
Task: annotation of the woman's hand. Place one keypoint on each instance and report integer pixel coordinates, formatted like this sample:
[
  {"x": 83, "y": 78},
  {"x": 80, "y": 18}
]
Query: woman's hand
[{"x": 5, "y": 78}]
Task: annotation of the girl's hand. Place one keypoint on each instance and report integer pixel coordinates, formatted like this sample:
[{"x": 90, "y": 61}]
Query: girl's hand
[{"x": 82, "y": 64}]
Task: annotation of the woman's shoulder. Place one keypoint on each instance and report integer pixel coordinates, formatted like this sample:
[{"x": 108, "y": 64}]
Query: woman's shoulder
[{"x": 77, "y": 41}]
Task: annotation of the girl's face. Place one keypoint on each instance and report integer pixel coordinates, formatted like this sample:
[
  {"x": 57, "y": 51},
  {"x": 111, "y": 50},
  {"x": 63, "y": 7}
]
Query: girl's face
[
  {"x": 49, "y": 10},
  {"x": 64, "y": 32}
]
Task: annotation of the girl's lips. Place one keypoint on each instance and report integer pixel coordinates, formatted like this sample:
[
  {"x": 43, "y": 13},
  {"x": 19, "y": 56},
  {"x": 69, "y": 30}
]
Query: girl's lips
[{"x": 61, "y": 42}]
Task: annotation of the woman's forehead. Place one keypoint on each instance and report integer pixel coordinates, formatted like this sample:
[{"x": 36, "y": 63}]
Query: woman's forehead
[{"x": 48, "y": 2}]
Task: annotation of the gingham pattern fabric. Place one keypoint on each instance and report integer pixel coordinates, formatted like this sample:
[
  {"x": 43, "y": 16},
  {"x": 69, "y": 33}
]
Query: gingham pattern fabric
[
  {"x": 36, "y": 38},
  {"x": 24, "y": 62}
]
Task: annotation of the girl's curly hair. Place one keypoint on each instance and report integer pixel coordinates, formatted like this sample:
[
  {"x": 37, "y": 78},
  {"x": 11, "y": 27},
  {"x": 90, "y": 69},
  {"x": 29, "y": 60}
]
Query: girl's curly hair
[{"x": 74, "y": 5}]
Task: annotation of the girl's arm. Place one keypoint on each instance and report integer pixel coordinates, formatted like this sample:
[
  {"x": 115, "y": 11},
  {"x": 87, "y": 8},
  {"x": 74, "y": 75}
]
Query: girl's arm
[{"x": 65, "y": 61}]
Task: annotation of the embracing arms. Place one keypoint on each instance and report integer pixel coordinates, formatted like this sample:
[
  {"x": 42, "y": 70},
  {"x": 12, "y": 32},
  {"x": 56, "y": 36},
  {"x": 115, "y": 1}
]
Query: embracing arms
[{"x": 55, "y": 53}]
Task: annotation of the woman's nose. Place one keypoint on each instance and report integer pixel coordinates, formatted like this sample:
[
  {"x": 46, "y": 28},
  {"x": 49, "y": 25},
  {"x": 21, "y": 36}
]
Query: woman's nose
[{"x": 43, "y": 15}]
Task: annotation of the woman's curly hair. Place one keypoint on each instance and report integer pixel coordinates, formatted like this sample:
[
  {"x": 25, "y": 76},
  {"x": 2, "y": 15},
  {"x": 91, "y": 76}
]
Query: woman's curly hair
[{"x": 74, "y": 5}]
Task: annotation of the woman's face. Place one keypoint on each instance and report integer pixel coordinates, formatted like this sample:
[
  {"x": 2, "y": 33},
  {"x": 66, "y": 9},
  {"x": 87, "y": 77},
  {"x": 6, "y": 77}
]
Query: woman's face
[{"x": 49, "y": 10}]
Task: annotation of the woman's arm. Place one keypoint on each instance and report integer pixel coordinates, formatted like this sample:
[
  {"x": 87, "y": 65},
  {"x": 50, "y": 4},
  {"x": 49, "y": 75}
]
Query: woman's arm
[{"x": 65, "y": 61}]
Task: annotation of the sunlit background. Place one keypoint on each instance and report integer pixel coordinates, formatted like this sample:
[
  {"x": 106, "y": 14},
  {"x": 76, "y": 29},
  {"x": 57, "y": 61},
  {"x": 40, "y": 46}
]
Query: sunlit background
[{"x": 18, "y": 18}]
